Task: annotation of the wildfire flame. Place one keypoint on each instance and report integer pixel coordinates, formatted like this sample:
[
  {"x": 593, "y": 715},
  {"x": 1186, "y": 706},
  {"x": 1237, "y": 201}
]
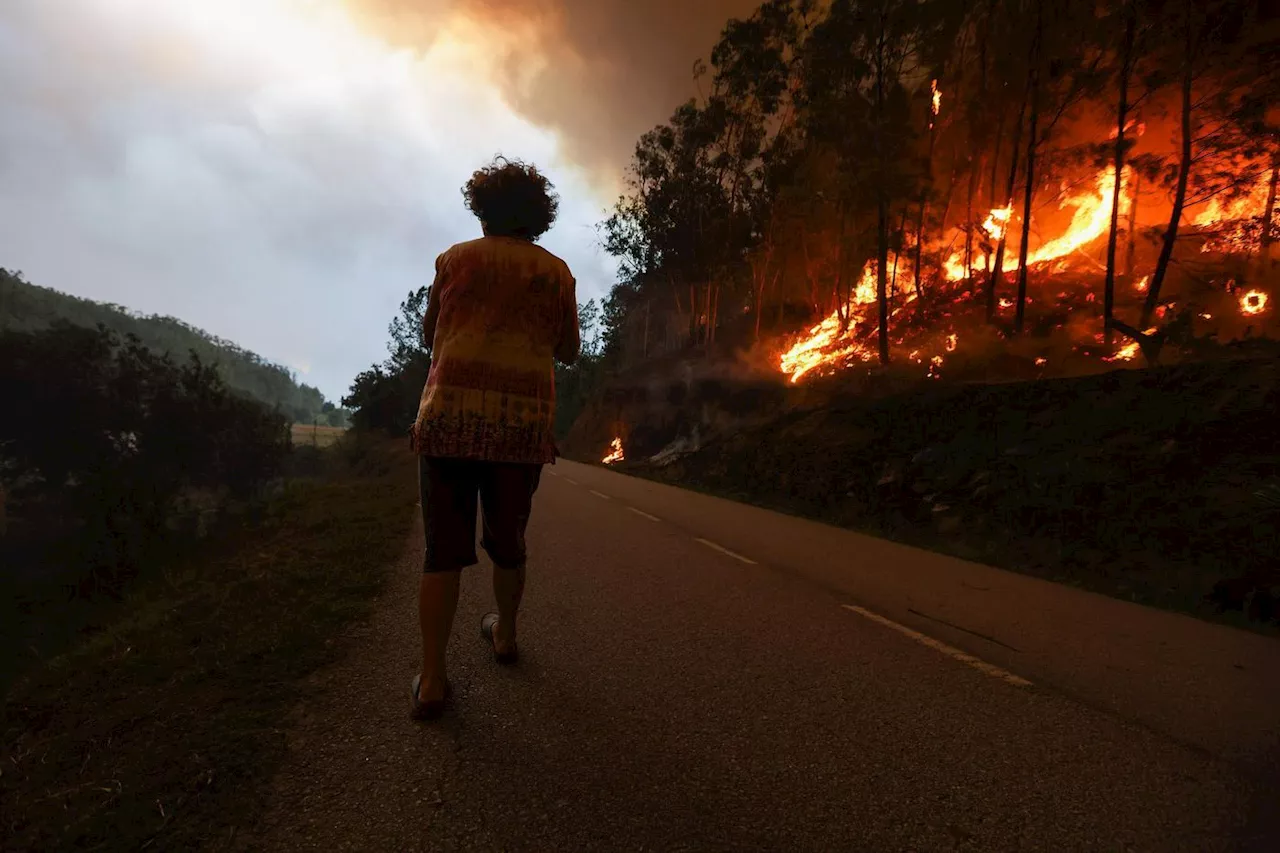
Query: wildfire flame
[
  {"x": 937, "y": 99},
  {"x": 1232, "y": 223},
  {"x": 841, "y": 341},
  {"x": 1126, "y": 353},
  {"x": 1253, "y": 302},
  {"x": 1128, "y": 126},
  {"x": 1217, "y": 211},
  {"x": 832, "y": 342},
  {"x": 1092, "y": 218},
  {"x": 615, "y": 453},
  {"x": 996, "y": 222},
  {"x": 1129, "y": 351}
]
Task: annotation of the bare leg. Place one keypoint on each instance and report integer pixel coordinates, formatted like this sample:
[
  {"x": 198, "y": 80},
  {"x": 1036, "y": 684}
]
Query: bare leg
[
  {"x": 508, "y": 589},
  {"x": 437, "y": 603}
]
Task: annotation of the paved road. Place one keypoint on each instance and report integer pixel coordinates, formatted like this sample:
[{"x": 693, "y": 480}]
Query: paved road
[{"x": 699, "y": 675}]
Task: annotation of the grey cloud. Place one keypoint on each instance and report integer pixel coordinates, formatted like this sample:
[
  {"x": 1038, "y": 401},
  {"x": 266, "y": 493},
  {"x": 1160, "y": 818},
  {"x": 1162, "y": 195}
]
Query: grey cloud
[
  {"x": 613, "y": 68},
  {"x": 293, "y": 227}
]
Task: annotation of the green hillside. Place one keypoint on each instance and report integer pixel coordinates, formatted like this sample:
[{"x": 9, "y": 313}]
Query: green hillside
[{"x": 28, "y": 307}]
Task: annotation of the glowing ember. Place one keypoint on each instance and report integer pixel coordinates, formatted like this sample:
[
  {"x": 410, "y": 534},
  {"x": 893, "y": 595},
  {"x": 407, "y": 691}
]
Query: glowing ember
[
  {"x": 1253, "y": 302},
  {"x": 953, "y": 341},
  {"x": 1042, "y": 361},
  {"x": 934, "y": 363},
  {"x": 1126, "y": 353},
  {"x": 937, "y": 99},
  {"x": 1005, "y": 303},
  {"x": 615, "y": 453},
  {"x": 1129, "y": 351},
  {"x": 1141, "y": 284}
]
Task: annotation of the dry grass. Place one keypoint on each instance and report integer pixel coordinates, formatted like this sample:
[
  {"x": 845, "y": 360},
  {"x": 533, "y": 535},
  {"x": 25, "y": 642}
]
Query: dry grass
[
  {"x": 307, "y": 435},
  {"x": 160, "y": 731}
]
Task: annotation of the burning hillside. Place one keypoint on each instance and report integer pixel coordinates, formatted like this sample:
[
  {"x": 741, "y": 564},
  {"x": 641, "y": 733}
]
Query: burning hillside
[{"x": 1064, "y": 276}]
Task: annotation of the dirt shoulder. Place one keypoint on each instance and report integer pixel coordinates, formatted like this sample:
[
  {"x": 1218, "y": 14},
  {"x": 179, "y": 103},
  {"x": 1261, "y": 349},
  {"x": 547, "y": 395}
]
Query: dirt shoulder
[{"x": 161, "y": 730}]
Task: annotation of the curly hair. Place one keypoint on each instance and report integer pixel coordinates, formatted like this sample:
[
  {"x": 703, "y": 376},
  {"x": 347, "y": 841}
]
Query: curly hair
[{"x": 512, "y": 199}]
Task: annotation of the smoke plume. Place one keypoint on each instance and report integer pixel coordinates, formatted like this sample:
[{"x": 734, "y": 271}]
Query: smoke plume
[{"x": 597, "y": 72}]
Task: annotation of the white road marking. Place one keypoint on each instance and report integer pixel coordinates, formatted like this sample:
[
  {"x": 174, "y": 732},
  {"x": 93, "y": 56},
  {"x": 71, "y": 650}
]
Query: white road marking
[
  {"x": 553, "y": 473},
  {"x": 724, "y": 550},
  {"x": 644, "y": 514},
  {"x": 599, "y": 494},
  {"x": 571, "y": 481},
  {"x": 949, "y": 651}
]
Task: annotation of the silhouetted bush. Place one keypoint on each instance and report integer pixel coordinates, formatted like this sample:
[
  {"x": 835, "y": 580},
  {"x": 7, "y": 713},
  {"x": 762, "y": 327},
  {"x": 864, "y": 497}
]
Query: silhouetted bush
[{"x": 107, "y": 442}]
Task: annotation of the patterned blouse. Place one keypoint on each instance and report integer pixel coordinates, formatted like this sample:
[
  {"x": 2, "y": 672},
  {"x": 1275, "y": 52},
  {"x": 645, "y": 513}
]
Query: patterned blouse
[{"x": 505, "y": 305}]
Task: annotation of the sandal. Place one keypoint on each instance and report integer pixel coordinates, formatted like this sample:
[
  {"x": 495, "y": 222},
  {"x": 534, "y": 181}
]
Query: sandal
[
  {"x": 486, "y": 630},
  {"x": 427, "y": 710}
]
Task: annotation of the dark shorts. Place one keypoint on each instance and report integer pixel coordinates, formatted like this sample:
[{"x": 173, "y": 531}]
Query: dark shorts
[{"x": 451, "y": 491}]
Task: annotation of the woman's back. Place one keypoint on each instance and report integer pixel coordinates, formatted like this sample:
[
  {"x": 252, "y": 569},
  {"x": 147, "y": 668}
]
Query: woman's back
[{"x": 503, "y": 306}]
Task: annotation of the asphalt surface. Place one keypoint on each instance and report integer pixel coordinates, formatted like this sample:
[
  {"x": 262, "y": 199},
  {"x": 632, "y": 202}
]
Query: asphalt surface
[{"x": 699, "y": 675}]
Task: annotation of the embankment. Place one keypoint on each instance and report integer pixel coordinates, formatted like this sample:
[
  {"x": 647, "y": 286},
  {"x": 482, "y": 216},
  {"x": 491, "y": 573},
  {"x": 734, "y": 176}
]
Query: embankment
[{"x": 1160, "y": 486}]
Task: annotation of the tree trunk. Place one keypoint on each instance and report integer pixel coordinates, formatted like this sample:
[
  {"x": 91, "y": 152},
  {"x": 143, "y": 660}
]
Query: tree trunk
[
  {"x": 1032, "y": 144},
  {"x": 811, "y": 276},
  {"x": 995, "y": 155},
  {"x": 713, "y": 314},
  {"x": 939, "y": 270},
  {"x": 968, "y": 218},
  {"x": 842, "y": 304},
  {"x": 1122, "y": 111},
  {"x": 882, "y": 199},
  {"x": 924, "y": 207},
  {"x": 1131, "y": 247},
  {"x": 893, "y": 274},
  {"x": 693, "y": 314},
  {"x": 647, "y": 305},
  {"x": 1269, "y": 212},
  {"x": 759, "y": 305},
  {"x": 1180, "y": 193},
  {"x": 997, "y": 270},
  {"x": 778, "y": 323}
]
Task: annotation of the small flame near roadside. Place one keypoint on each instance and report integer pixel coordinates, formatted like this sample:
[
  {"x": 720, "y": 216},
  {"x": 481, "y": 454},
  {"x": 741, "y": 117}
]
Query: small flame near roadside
[
  {"x": 1129, "y": 351},
  {"x": 615, "y": 453},
  {"x": 1141, "y": 284}
]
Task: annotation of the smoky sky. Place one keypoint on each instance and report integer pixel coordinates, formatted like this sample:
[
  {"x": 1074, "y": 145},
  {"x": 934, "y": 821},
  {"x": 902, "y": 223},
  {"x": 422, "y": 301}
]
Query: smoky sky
[
  {"x": 599, "y": 72},
  {"x": 282, "y": 172}
]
